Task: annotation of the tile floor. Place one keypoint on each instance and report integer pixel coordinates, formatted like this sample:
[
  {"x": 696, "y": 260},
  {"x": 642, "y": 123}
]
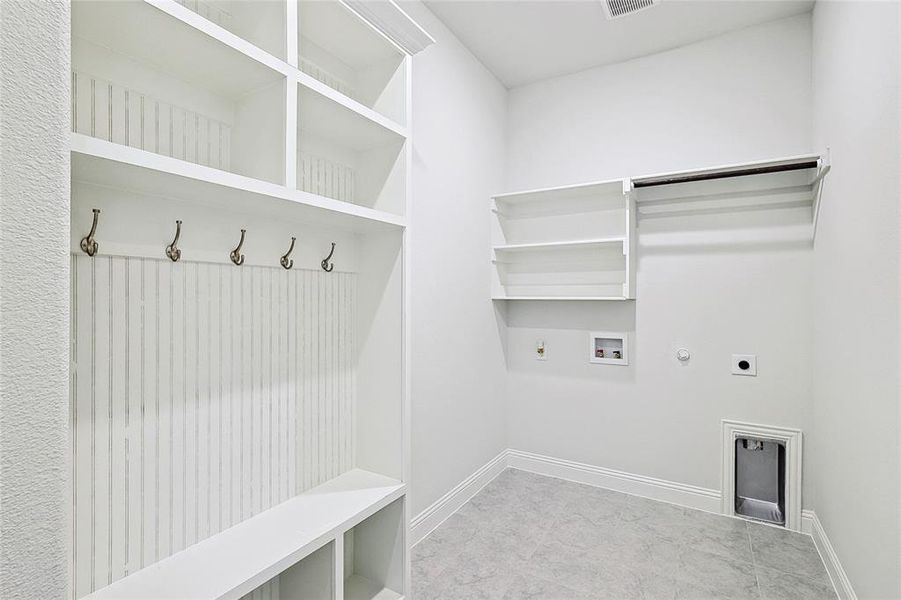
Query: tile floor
[{"x": 529, "y": 536}]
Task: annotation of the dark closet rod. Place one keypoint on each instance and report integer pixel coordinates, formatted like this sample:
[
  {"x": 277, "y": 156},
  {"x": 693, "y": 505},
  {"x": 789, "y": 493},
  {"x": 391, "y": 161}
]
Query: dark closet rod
[{"x": 811, "y": 164}]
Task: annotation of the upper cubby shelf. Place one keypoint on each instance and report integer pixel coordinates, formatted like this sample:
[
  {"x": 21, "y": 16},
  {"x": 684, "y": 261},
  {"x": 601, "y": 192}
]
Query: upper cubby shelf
[
  {"x": 262, "y": 23},
  {"x": 341, "y": 50},
  {"x": 347, "y": 157},
  {"x": 149, "y": 79}
]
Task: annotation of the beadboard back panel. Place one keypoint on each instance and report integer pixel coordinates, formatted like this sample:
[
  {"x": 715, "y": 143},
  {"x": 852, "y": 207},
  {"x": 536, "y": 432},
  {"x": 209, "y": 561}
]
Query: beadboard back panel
[{"x": 202, "y": 394}]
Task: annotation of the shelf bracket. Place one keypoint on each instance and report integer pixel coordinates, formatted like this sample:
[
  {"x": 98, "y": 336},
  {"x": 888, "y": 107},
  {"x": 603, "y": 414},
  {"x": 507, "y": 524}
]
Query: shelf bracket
[{"x": 824, "y": 165}]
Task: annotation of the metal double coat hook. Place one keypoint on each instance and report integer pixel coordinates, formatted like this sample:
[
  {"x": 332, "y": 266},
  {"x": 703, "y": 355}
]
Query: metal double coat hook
[
  {"x": 88, "y": 244},
  {"x": 285, "y": 261},
  {"x": 236, "y": 255},
  {"x": 326, "y": 266}
]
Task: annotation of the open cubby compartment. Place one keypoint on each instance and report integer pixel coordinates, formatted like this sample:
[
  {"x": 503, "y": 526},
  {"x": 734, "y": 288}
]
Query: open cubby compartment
[
  {"x": 590, "y": 270},
  {"x": 311, "y": 578},
  {"x": 346, "y": 156},
  {"x": 145, "y": 79},
  {"x": 340, "y": 49},
  {"x": 260, "y": 22},
  {"x": 581, "y": 212},
  {"x": 374, "y": 555}
]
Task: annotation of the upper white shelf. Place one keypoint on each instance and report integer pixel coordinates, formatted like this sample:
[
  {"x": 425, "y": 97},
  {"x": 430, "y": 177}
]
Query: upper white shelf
[
  {"x": 571, "y": 199},
  {"x": 782, "y": 183},
  {"x": 113, "y": 165},
  {"x": 177, "y": 41},
  {"x": 240, "y": 559},
  {"x": 196, "y": 50}
]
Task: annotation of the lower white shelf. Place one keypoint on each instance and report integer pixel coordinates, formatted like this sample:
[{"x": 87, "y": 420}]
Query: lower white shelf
[
  {"x": 360, "y": 588},
  {"x": 560, "y": 298},
  {"x": 241, "y": 558},
  {"x": 584, "y": 269}
]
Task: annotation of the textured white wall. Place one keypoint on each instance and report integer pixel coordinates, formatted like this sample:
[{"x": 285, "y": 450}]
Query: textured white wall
[
  {"x": 34, "y": 298},
  {"x": 855, "y": 439},
  {"x": 458, "y": 363},
  {"x": 743, "y": 96}
]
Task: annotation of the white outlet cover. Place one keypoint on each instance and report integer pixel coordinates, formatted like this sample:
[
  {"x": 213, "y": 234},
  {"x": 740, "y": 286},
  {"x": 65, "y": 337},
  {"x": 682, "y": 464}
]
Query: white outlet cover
[{"x": 744, "y": 364}]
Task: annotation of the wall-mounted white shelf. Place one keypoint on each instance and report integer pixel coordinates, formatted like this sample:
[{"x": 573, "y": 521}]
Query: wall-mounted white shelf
[
  {"x": 573, "y": 242},
  {"x": 541, "y": 237},
  {"x": 775, "y": 184},
  {"x": 244, "y": 557}
]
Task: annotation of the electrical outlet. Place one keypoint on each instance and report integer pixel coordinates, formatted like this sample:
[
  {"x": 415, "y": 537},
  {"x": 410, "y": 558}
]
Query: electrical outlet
[
  {"x": 540, "y": 350},
  {"x": 744, "y": 364}
]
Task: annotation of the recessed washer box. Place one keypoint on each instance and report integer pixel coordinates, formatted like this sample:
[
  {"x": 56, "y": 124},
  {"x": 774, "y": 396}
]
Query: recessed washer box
[{"x": 608, "y": 348}]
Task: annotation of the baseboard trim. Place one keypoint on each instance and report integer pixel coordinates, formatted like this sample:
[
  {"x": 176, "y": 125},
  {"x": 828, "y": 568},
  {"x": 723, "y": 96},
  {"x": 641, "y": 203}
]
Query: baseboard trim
[
  {"x": 638, "y": 485},
  {"x": 811, "y": 525},
  {"x": 425, "y": 522}
]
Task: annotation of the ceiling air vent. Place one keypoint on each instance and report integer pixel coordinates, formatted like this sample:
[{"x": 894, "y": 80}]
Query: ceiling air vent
[{"x": 620, "y": 8}]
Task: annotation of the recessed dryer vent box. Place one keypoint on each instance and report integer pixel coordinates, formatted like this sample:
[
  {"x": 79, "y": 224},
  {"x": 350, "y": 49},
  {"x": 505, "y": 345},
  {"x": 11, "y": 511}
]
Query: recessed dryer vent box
[{"x": 607, "y": 348}]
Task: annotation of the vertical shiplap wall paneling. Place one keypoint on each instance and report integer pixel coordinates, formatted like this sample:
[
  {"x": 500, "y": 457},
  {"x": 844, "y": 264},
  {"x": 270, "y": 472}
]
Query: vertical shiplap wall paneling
[{"x": 202, "y": 394}]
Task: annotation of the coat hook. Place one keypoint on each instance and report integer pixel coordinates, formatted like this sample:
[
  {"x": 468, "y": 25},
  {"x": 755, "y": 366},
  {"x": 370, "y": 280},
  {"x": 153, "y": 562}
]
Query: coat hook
[
  {"x": 325, "y": 264},
  {"x": 285, "y": 261},
  {"x": 88, "y": 244},
  {"x": 236, "y": 255},
  {"x": 172, "y": 250}
]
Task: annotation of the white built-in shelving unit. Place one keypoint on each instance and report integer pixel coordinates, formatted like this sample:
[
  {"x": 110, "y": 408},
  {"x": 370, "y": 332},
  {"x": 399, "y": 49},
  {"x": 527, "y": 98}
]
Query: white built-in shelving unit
[
  {"x": 578, "y": 242},
  {"x": 573, "y": 242},
  {"x": 240, "y": 429}
]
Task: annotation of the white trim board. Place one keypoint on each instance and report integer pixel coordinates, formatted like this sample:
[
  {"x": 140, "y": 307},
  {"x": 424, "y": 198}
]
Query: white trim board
[
  {"x": 637, "y": 485},
  {"x": 439, "y": 511},
  {"x": 620, "y": 481},
  {"x": 792, "y": 438},
  {"x": 811, "y": 525}
]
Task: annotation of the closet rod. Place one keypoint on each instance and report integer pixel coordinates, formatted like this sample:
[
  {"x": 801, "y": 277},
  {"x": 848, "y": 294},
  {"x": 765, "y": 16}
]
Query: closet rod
[{"x": 799, "y": 166}]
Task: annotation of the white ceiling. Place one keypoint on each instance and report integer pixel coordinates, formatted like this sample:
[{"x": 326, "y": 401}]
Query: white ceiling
[{"x": 522, "y": 41}]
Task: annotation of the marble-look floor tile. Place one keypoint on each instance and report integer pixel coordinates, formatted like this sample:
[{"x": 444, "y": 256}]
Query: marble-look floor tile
[
  {"x": 776, "y": 585},
  {"x": 469, "y": 577},
  {"x": 526, "y": 586},
  {"x": 529, "y": 536},
  {"x": 705, "y": 575},
  {"x": 785, "y": 551}
]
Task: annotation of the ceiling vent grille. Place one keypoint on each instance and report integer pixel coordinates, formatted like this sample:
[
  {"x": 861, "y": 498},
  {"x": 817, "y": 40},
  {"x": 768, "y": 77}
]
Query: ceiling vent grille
[{"x": 620, "y": 8}]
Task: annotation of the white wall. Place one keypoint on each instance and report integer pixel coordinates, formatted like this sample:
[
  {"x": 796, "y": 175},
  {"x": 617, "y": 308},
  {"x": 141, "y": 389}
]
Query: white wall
[
  {"x": 34, "y": 299},
  {"x": 458, "y": 364},
  {"x": 745, "y": 95},
  {"x": 855, "y": 440}
]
